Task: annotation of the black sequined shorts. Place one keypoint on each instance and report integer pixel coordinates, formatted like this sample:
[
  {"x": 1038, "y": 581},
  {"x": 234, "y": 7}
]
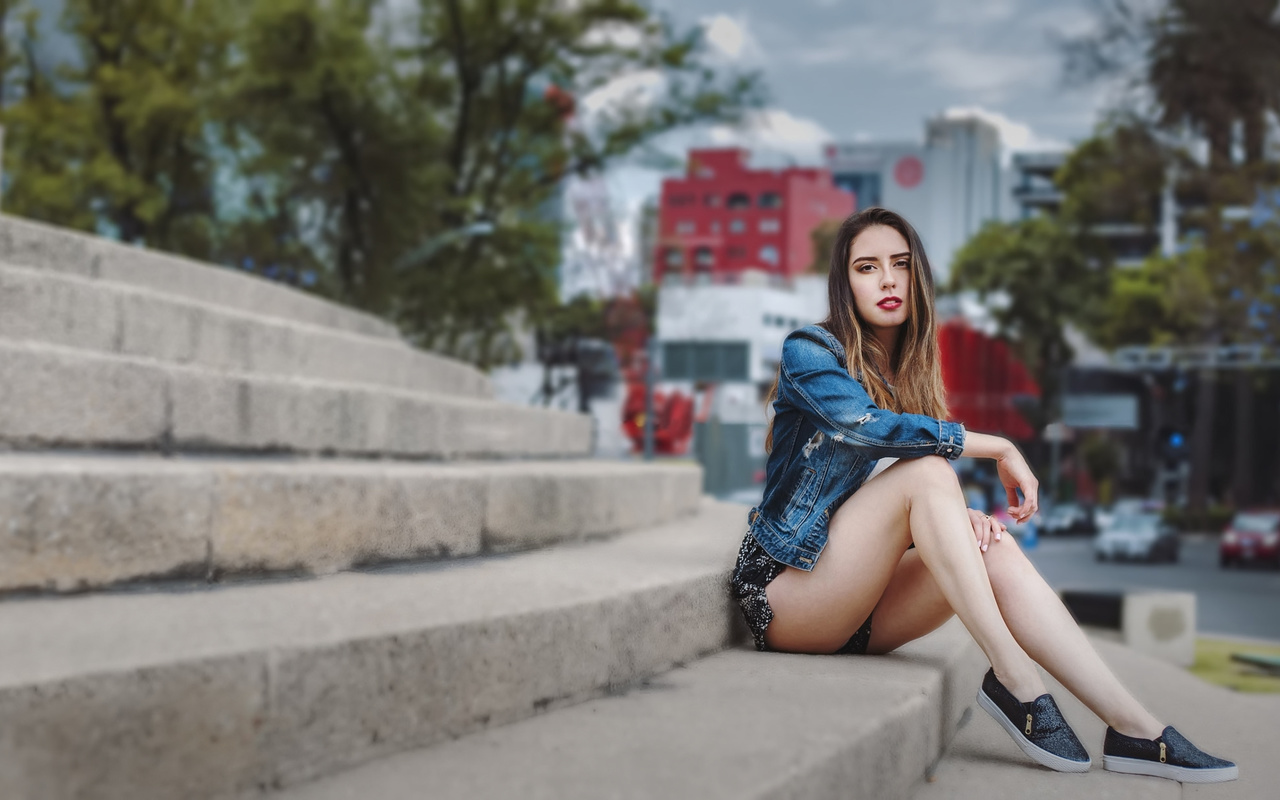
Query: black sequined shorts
[{"x": 754, "y": 570}]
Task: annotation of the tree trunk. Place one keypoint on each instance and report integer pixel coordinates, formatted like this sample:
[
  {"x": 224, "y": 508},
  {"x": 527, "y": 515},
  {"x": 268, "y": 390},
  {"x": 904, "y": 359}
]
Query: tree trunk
[
  {"x": 1202, "y": 442},
  {"x": 1242, "y": 471}
]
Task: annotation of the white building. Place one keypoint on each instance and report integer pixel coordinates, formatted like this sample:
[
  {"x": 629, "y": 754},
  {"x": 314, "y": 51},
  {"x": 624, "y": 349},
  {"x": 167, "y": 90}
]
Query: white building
[{"x": 947, "y": 187}]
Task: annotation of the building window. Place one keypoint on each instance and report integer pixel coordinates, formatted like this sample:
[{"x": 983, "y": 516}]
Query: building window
[
  {"x": 711, "y": 200},
  {"x": 703, "y": 258},
  {"x": 673, "y": 257},
  {"x": 737, "y": 226},
  {"x": 770, "y": 225},
  {"x": 686, "y": 226},
  {"x": 769, "y": 255},
  {"x": 739, "y": 200},
  {"x": 706, "y": 361},
  {"x": 770, "y": 200}
]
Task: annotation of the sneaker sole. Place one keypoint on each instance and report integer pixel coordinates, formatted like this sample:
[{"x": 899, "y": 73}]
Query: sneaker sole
[
  {"x": 1140, "y": 766},
  {"x": 1036, "y": 753}
]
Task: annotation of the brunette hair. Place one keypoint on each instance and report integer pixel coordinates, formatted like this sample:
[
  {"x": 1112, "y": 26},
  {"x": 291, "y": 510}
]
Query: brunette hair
[{"x": 916, "y": 365}]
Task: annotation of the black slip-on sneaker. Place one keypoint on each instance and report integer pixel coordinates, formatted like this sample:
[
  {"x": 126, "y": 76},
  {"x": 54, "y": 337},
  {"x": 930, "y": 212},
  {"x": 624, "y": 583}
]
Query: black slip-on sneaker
[
  {"x": 1037, "y": 727},
  {"x": 1168, "y": 756}
]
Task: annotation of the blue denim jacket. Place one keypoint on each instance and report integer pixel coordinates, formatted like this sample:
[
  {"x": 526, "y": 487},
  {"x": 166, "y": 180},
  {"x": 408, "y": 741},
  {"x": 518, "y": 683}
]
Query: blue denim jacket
[{"x": 827, "y": 437}]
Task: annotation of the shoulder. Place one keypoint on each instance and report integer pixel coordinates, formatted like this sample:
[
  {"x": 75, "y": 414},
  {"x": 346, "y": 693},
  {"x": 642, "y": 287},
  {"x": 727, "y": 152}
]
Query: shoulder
[{"x": 810, "y": 346}]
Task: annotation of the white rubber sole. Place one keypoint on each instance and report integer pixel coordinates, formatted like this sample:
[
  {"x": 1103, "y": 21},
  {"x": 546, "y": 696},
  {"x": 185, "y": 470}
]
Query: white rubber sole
[
  {"x": 1034, "y": 752},
  {"x": 1140, "y": 766}
]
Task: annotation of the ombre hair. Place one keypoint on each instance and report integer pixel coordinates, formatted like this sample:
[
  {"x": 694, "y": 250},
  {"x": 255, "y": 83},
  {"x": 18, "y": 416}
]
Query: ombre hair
[{"x": 916, "y": 366}]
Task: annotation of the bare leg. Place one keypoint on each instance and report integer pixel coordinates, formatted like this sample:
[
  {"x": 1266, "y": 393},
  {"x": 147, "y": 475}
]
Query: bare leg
[
  {"x": 1046, "y": 630},
  {"x": 914, "y": 500}
]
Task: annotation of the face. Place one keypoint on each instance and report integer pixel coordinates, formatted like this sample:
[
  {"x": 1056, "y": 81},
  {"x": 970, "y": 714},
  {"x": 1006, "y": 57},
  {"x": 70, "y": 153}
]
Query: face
[{"x": 880, "y": 270}]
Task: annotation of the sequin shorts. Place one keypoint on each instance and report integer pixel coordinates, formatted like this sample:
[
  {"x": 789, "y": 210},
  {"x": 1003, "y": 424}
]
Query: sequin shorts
[{"x": 754, "y": 570}]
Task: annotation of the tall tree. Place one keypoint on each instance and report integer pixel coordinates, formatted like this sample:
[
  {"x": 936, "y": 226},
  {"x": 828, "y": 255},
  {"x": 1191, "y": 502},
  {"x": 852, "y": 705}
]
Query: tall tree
[
  {"x": 1043, "y": 279},
  {"x": 117, "y": 135}
]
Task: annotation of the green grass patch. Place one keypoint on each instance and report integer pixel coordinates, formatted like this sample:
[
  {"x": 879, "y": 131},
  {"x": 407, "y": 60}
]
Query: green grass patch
[{"x": 1214, "y": 664}]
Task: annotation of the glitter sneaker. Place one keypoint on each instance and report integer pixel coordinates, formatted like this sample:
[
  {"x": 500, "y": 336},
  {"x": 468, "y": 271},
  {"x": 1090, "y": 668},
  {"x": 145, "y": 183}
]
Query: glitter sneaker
[
  {"x": 1169, "y": 755},
  {"x": 1037, "y": 727}
]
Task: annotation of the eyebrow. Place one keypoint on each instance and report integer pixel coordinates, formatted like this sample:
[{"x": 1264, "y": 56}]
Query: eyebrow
[{"x": 873, "y": 258}]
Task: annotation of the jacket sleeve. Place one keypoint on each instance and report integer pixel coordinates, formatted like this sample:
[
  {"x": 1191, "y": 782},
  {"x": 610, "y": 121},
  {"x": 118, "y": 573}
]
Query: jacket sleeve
[{"x": 814, "y": 381}]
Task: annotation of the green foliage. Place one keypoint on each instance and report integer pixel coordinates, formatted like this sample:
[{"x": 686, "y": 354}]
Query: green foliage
[
  {"x": 116, "y": 138},
  {"x": 824, "y": 241},
  {"x": 1101, "y": 457},
  {"x": 342, "y": 136},
  {"x": 1115, "y": 176}
]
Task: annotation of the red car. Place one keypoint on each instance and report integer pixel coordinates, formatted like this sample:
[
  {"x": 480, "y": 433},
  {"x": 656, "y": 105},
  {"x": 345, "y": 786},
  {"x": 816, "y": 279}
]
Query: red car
[{"x": 1253, "y": 536}]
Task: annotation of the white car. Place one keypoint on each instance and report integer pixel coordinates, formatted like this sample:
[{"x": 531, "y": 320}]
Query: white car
[{"x": 1144, "y": 537}]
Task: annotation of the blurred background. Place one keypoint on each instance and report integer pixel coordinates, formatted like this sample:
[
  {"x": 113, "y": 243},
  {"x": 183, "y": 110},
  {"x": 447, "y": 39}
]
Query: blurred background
[{"x": 622, "y": 208}]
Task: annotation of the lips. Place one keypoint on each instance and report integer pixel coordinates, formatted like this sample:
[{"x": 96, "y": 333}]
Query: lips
[{"x": 890, "y": 303}]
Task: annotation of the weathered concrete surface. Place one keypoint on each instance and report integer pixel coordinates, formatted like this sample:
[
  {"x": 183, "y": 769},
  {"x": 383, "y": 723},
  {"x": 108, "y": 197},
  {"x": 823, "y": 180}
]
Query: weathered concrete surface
[
  {"x": 101, "y": 316},
  {"x": 32, "y": 244},
  {"x": 739, "y": 724},
  {"x": 76, "y": 522},
  {"x": 347, "y": 668},
  {"x": 985, "y": 763},
  {"x": 56, "y": 396}
]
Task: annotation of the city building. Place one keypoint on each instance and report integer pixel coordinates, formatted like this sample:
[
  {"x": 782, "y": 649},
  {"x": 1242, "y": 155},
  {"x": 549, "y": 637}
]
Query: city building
[
  {"x": 723, "y": 219},
  {"x": 947, "y": 187}
]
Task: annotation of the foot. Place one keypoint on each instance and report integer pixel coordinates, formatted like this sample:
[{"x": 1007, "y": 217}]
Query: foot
[
  {"x": 1169, "y": 755},
  {"x": 1037, "y": 727}
]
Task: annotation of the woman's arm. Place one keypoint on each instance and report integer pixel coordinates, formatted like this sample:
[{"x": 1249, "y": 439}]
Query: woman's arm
[
  {"x": 814, "y": 381},
  {"x": 1012, "y": 469}
]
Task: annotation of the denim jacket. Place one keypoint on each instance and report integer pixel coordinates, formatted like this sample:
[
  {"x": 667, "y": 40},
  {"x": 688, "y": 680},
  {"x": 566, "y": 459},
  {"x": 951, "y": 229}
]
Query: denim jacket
[{"x": 827, "y": 436}]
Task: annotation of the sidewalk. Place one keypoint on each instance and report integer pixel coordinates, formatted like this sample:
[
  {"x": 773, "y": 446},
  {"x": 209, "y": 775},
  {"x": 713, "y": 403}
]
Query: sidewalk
[{"x": 984, "y": 763}]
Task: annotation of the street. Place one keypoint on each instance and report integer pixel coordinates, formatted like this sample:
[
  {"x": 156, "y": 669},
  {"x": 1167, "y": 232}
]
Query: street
[{"x": 1238, "y": 602}]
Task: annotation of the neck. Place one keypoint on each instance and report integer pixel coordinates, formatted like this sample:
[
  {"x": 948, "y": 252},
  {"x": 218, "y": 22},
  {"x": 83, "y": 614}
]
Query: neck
[{"x": 888, "y": 338}]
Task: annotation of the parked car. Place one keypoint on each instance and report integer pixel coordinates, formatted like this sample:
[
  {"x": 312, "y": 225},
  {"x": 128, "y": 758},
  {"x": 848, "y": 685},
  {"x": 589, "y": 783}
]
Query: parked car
[
  {"x": 1251, "y": 537},
  {"x": 1125, "y": 506},
  {"x": 1142, "y": 536},
  {"x": 1067, "y": 518}
]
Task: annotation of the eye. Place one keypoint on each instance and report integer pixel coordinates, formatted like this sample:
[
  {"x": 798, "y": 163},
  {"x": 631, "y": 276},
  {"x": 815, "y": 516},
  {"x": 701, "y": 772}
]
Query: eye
[{"x": 903, "y": 263}]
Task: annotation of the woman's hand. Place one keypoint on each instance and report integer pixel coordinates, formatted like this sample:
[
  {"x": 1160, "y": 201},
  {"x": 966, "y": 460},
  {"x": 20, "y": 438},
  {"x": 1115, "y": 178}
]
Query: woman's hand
[
  {"x": 1015, "y": 474},
  {"x": 986, "y": 527}
]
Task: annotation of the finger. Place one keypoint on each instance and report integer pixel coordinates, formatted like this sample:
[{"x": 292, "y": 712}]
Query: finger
[
  {"x": 986, "y": 534},
  {"x": 1011, "y": 493},
  {"x": 1000, "y": 528}
]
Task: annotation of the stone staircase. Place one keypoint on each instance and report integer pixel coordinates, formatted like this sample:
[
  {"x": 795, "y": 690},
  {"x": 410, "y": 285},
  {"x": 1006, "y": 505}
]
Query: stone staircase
[{"x": 251, "y": 543}]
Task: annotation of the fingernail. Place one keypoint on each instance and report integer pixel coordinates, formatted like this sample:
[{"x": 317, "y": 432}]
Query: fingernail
[
  {"x": 984, "y": 548},
  {"x": 997, "y": 537}
]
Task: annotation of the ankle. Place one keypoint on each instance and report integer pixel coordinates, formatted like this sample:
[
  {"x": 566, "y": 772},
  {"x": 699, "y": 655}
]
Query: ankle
[
  {"x": 1025, "y": 685},
  {"x": 1147, "y": 727}
]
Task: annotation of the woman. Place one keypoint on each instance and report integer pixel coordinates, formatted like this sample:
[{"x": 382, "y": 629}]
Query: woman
[{"x": 834, "y": 563}]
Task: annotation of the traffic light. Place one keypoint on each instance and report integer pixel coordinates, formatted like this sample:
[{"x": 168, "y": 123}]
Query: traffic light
[{"x": 1174, "y": 447}]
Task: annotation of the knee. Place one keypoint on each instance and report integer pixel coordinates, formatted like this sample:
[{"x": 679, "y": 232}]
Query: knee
[
  {"x": 930, "y": 472},
  {"x": 1005, "y": 561}
]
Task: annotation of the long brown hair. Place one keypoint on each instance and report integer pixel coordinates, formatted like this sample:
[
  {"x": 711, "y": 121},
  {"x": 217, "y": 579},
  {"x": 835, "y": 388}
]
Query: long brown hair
[{"x": 916, "y": 365}]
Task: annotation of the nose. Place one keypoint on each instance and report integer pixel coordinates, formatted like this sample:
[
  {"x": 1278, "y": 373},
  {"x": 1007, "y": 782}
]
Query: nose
[{"x": 888, "y": 280}]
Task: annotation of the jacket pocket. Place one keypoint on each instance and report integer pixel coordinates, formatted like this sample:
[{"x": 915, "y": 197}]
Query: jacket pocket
[{"x": 802, "y": 498}]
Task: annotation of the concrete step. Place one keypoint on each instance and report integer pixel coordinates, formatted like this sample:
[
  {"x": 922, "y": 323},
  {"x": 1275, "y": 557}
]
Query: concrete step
[
  {"x": 222, "y": 692},
  {"x": 739, "y": 724},
  {"x": 54, "y": 396},
  {"x": 32, "y": 244},
  {"x": 83, "y": 522},
  {"x": 983, "y": 762},
  {"x": 107, "y": 317}
]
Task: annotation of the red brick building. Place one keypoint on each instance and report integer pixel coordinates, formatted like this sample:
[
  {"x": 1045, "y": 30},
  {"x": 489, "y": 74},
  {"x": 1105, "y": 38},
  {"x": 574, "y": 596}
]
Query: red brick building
[{"x": 722, "y": 218}]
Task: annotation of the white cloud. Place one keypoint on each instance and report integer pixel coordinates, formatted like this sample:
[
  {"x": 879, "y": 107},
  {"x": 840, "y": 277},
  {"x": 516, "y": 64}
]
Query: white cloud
[
  {"x": 731, "y": 38},
  {"x": 1014, "y": 136},
  {"x": 773, "y": 133},
  {"x": 631, "y": 92}
]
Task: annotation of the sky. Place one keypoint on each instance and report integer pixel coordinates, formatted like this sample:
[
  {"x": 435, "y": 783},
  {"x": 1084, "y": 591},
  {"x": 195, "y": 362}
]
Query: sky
[{"x": 858, "y": 70}]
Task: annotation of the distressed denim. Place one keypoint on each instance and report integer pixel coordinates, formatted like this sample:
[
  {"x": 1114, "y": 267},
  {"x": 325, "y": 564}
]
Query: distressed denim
[{"x": 827, "y": 437}]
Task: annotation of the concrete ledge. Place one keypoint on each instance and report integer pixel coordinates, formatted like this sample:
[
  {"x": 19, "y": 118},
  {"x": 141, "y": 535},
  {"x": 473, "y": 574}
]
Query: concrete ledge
[
  {"x": 117, "y": 695},
  {"x": 33, "y": 244},
  {"x": 105, "y": 317},
  {"x": 58, "y": 397},
  {"x": 74, "y": 523},
  {"x": 739, "y": 724}
]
